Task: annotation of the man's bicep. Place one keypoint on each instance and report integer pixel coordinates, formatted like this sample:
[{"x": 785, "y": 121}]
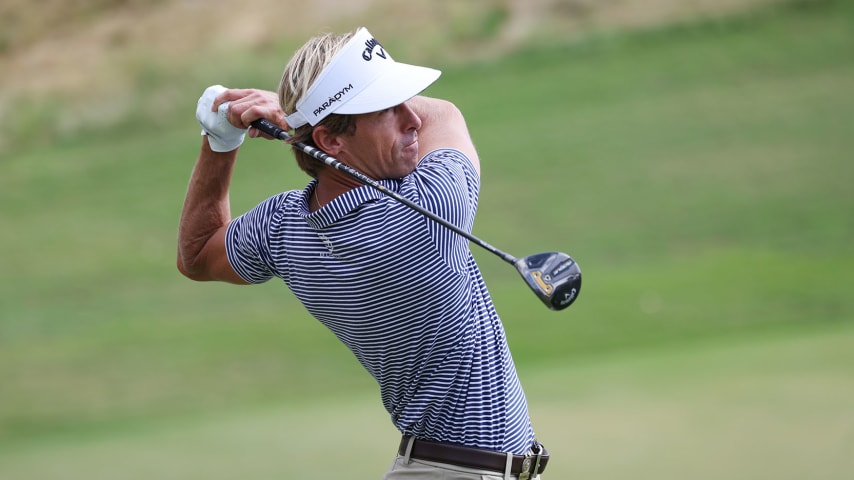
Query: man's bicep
[
  {"x": 443, "y": 126},
  {"x": 456, "y": 138}
]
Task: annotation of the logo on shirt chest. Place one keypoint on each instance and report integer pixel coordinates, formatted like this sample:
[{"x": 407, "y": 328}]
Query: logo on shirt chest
[{"x": 329, "y": 246}]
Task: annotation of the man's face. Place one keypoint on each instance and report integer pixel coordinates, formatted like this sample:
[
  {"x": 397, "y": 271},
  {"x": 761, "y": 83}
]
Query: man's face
[{"x": 385, "y": 143}]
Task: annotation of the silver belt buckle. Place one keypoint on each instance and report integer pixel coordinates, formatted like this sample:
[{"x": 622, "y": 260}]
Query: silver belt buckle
[
  {"x": 526, "y": 467},
  {"x": 527, "y": 471}
]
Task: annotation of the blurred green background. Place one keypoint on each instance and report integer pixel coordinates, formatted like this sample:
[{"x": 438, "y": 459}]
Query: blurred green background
[{"x": 696, "y": 161}]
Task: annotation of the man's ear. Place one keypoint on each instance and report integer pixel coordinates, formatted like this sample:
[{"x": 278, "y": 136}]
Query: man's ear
[{"x": 325, "y": 140}]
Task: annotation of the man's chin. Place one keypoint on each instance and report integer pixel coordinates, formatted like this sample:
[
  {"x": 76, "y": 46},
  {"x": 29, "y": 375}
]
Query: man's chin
[
  {"x": 408, "y": 163},
  {"x": 411, "y": 150}
]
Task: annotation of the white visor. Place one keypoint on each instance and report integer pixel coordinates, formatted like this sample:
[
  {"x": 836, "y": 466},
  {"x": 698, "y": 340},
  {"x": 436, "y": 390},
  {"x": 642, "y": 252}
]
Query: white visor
[{"x": 360, "y": 78}]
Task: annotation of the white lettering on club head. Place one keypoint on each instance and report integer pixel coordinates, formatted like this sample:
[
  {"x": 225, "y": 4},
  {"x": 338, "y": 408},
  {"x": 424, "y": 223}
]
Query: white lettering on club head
[{"x": 568, "y": 297}]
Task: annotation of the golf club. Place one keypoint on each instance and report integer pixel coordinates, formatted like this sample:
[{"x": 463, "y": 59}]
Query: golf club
[{"x": 553, "y": 276}]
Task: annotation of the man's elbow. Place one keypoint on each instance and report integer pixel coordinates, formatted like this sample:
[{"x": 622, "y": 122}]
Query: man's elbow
[
  {"x": 444, "y": 111},
  {"x": 190, "y": 270},
  {"x": 217, "y": 271}
]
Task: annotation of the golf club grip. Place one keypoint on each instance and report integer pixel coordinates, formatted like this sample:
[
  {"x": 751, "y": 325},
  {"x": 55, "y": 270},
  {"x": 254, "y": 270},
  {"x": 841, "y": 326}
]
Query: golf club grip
[
  {"x": 273, "y": 130},
  {"x": 270, "y": 128}
]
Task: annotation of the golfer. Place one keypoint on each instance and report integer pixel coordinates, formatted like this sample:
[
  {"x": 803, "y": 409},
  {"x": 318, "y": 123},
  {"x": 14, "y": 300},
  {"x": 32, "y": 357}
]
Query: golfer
[{"x": 403, "y": 293}]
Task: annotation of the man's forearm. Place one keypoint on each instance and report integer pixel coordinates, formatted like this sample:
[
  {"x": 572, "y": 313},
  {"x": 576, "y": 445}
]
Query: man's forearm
[{"x": 206, "y": 205}]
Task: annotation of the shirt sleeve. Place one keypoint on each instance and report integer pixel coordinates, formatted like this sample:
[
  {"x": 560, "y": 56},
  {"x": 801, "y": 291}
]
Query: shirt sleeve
[
  {"x": 447, "y": 184},
  {"x": 247, "y": 240}
]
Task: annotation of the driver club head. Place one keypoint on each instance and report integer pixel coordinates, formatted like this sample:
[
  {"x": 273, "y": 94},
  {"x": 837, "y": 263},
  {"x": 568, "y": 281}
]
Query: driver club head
[{"x": 553, "y": 276}]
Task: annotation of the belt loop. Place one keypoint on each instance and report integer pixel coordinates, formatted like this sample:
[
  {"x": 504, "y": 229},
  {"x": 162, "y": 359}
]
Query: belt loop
[
  {"x": 408, "y": 453},
  {"x": 538, "y": 452},
  {"x": 508, "y": 469}
]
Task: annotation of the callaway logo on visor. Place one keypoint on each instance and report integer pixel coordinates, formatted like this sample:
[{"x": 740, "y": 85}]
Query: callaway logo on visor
[
  {"x": 368, "y": 53},
  {"x": 354, "y": 83}
]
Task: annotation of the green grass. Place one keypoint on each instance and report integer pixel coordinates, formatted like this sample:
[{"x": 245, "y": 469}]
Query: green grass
[
  {"x": 701, "y": 175},
  {"x": 763, "y": 407}
]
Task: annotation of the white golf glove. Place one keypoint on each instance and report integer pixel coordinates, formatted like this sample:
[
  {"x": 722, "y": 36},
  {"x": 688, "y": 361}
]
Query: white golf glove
[{"x": 222, "y": 135}]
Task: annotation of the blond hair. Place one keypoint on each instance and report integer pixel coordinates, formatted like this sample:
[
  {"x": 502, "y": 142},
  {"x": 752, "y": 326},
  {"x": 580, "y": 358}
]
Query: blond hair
[{"x": 300, "y": 72}]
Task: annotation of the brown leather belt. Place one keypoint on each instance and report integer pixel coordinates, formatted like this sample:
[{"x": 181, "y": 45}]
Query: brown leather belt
[{"x": 525, "y": 466}]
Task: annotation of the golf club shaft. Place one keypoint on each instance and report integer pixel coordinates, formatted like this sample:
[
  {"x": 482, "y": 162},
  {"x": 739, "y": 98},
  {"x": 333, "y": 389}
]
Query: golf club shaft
[{"x": 273, "y": 130}]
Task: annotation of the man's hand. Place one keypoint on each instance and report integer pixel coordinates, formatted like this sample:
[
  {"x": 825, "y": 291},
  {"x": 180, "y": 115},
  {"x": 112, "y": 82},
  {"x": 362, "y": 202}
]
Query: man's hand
[
  {"x": 247, "y": 105},
  {"x": 223, "y": 136},
  {"x": 226, "y": 114}
]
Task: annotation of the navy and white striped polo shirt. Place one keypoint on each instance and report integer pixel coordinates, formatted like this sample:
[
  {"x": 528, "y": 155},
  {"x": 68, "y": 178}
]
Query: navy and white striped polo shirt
[{"x": 403, "y": 294}]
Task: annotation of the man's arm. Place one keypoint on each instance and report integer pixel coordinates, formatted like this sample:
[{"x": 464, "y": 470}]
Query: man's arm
[
  {"x": 206, "y": 214},
  {"x": 205, "y": 217},
  {"x": 443, "y": 126}
]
